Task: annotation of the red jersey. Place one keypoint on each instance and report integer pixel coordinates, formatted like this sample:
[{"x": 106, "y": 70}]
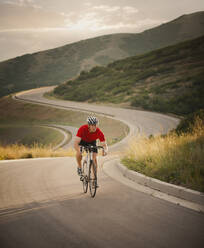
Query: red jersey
[{"x": 85, "y": 135}]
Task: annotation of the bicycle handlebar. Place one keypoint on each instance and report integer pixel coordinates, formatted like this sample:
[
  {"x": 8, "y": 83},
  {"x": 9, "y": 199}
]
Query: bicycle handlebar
[{"x": 89, "y": 147}]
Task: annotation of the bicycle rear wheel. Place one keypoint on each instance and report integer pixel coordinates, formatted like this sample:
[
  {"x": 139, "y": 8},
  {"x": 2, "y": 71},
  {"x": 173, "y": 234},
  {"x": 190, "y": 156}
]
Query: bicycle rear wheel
[
  {"x": 92, "y": 179},
  {"x": 85, "y": 177}
]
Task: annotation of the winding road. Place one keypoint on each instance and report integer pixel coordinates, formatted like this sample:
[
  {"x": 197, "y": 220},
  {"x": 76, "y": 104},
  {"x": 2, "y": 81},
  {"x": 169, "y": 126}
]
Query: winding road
[{"x": 42, "y": 204}]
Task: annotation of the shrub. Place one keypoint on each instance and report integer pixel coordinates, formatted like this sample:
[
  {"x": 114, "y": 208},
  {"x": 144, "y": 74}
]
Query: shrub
[{"x": 187, "y": 124}]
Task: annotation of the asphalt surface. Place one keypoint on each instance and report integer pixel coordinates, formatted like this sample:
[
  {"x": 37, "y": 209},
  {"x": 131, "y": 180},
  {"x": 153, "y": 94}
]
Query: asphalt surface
[{"x": 42, "y": 203}]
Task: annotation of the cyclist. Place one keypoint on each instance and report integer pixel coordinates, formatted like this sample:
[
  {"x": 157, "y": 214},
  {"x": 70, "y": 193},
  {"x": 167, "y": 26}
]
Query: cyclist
[{"x": 87, "y": 135}]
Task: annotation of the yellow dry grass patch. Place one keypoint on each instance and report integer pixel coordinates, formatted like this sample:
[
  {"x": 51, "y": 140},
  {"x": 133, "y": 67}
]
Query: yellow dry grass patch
[
  {"x": 21, "y": 151},
  {"x": 171, "y": 158}
]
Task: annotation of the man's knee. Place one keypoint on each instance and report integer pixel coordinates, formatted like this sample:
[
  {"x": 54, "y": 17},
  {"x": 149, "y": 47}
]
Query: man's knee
[{"x": 79, "y": 155}]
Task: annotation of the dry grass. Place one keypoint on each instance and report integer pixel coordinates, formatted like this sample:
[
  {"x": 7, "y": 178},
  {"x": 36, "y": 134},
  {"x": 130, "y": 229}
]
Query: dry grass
[
  {"x": 21, "y": 151},
  {"x": 172, "y": 158}
]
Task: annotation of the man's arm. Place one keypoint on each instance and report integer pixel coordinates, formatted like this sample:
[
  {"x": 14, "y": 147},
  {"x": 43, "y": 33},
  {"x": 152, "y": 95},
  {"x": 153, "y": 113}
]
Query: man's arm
[
  {"x": 76, "y": 144},
  {"x": 105, "y": 151}
]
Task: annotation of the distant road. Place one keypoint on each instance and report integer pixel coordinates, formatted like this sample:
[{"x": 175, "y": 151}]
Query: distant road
[{"x": 42, "y": 204}]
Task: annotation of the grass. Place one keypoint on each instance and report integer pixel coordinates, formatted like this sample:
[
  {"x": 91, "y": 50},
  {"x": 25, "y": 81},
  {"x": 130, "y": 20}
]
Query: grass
[
  {"x": 20, "y": 151},
  {"x": 29, "y": 135},
  {"x": 176, "y": 159}
]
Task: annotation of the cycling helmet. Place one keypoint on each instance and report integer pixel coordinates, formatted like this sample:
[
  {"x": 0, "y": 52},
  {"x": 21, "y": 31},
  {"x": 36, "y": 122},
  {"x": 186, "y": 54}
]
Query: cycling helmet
[{"x": 92, "y": 120}]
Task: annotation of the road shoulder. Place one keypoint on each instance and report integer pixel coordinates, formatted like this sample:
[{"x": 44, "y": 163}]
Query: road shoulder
[{"x": 156, "y": 188}]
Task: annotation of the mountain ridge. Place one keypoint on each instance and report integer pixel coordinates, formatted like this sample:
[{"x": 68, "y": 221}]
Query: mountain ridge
[{"x": 53, "y": 66}]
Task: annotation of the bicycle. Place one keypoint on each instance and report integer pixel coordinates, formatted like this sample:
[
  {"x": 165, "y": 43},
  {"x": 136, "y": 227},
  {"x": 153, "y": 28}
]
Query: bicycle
[{"x": 89, "y": 174}]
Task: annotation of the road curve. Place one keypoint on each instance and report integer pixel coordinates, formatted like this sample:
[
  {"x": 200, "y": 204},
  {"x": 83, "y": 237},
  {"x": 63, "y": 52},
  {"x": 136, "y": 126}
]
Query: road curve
[
  {"x": 42, "y": 204},
  {"x": 142, "y": 122}
]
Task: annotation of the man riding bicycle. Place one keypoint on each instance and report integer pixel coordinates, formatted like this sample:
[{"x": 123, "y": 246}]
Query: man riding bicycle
[{"x": 87, "y": 135}]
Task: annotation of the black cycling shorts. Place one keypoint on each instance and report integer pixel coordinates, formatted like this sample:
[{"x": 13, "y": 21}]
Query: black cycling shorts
[{"x": 93, "y": 143}]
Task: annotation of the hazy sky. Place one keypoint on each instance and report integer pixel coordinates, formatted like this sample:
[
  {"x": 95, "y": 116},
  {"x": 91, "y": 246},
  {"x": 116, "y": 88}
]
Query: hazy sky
[{"x": 27, "y": 26}]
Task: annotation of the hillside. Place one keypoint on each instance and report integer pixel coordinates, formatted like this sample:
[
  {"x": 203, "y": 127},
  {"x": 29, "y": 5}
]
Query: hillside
[
  {"x": 168, "y": 80},
  {"x": 54, "y": 66}
]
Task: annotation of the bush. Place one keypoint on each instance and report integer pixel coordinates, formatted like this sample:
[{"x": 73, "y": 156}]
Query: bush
[{"x": 187, "y": 124}]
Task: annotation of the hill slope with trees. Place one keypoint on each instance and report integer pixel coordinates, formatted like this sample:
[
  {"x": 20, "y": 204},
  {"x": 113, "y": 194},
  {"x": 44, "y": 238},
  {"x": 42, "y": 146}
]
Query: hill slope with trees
[
  {"x": 54, "y": 66},
  {"x": 169, "y": 80}
]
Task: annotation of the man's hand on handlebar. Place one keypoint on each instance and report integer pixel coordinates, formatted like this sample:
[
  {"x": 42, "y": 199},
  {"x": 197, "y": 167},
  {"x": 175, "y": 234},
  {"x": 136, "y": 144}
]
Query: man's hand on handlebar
[
  {"x": 104, "y": 152},
  {"x": 105, "y": 148}
]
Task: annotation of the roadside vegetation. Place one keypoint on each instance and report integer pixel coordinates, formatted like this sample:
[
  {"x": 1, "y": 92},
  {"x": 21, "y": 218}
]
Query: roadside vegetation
[
  {"x": 36, "y": 151},
  {"x": 168, "y": 80},
  {"x": 175, "y": 158}
]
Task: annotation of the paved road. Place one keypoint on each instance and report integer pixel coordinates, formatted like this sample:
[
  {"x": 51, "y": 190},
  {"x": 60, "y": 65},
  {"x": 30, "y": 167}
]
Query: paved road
[
  {"x": 66, "y": 143},
  {"x": 42, "y": 204}
]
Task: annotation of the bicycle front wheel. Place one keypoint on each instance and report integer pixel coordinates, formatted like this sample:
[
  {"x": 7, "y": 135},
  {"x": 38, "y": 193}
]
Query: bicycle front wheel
[
  {"x": 92, "y": 179},
  {"x": 85, "y": 177}
]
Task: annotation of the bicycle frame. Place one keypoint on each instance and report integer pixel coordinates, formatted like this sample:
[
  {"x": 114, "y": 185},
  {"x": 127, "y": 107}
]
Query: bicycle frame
[
  {"x": 89, "y": 155},
  {"x": 90, "y": 165}
]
